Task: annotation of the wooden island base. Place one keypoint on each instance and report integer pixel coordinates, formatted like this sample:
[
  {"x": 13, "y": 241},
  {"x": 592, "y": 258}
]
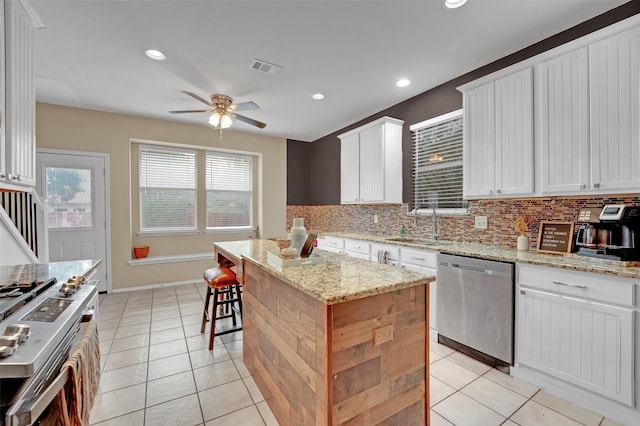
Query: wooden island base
[{"x": 359, "y": 362}]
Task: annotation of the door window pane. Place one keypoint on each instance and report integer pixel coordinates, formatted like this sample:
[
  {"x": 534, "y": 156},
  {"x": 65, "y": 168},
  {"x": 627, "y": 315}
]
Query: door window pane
[{"x": 69, "y": 198}]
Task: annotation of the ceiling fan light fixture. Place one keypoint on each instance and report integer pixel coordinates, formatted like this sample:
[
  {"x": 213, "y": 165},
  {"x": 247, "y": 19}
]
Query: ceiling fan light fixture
[
  {"x": 214, "y": 120},
  {"x": 225, "y": 121},
  {"x": 155, "y": 54},
  {"x": 454, "y": 4}
]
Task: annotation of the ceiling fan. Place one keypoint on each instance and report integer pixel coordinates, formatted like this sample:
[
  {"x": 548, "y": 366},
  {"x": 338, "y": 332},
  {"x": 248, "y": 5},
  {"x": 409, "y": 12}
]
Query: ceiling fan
[{"x": 224, "y": 110}]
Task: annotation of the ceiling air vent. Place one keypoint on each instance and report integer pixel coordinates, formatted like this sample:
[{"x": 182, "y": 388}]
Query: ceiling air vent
[{"x": 264, "y": 66}]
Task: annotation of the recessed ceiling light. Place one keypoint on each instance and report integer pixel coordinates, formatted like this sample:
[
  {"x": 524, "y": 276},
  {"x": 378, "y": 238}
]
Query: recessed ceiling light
[
  {"x": 318, "y": 96},
  {"x": 155, "y": 54},
  {"x": 454, "y": 4},
  {"x": 403, "y": 82}
]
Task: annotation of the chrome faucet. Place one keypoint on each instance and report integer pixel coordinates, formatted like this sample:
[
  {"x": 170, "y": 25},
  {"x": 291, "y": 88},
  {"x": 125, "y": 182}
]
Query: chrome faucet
[{"x": 434, "y": 234}]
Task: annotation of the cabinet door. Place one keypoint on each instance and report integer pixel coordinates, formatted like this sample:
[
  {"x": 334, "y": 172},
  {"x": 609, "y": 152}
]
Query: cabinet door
[
  {"x": 372, "y": 165},
  {"x": 562, "y": 125},
  {"x": 20, "y": 96},
  {"x": 3, "y": 109},
  {"x": 514, "y": 134},
  {"x": 349, "y": 169},
  {"x": 615, "y": 112},
  {"x": 585, "y": 343},
  {"x": 479, "y": 142}
]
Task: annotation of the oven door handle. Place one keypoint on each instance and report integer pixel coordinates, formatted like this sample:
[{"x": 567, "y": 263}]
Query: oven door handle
[{"x": 31, "y": 409}]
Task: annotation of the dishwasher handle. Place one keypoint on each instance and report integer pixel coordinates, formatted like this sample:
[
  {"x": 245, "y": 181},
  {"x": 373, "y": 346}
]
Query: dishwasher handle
[{"x": 471, "y": 268}]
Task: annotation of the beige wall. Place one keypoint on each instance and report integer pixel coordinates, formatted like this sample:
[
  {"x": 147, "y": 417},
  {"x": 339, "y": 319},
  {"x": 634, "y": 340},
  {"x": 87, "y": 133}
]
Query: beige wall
[{"x": 59, "y": 127}]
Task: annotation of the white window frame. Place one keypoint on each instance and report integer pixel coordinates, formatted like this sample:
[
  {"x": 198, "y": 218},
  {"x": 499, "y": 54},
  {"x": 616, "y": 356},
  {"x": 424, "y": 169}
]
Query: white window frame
[{"x": 420, "y": 126}]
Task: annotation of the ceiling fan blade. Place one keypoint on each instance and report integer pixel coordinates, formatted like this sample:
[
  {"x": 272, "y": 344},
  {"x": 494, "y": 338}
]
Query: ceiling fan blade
[
  {"x": 194, "y": 96},
  {"x": 190, "y": 110},
  {"x": 244, "y": 106},
  {"x": 251, "y": 121}
]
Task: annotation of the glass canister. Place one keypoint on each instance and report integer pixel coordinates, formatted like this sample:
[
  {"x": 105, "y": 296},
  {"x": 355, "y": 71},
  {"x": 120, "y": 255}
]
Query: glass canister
[{"x": 298, "y": 234}]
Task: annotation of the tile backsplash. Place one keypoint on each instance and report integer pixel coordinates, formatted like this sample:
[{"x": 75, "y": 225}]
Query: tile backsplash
[{"x": 501, "y": 217}]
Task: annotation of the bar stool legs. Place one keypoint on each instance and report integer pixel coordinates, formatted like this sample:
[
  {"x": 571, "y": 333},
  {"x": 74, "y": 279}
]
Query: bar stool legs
[{"x": 227, "y": 301}]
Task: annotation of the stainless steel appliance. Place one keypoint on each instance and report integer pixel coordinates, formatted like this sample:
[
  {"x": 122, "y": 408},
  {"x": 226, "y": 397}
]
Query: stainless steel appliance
[
  {"x": 613, "y": 234},
  {"x": 46, "y": 323},
  {"x": 476, "y": 307}
]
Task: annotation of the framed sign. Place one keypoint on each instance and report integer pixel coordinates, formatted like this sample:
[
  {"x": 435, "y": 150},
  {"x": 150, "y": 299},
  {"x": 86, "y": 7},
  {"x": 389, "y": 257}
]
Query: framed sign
[{"x": 555, "y": 237}]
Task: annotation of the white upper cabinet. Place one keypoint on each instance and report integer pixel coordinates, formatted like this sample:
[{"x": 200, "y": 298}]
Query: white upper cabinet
[
  {"x": 615, "y": 112},
  {"x": 371, "y": 163},
  {"x": 498, "y": 137},
  {"x": 19, "y": 101},
  {"x": 562, "y": 129}
]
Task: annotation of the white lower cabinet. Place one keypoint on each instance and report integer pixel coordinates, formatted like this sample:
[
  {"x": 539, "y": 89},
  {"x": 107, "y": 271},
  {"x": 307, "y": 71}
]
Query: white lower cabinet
[
  {"x": 577, "y": 328},
  {"x": 333, "y": 244},
  {"x": 357, "y": 248},
  {"x": 425, "y": 262}
]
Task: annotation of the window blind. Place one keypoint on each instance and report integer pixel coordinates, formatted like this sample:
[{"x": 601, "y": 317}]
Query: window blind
[
  {"x": 167, "y": 189},
  {"x": 229, "y": 190},
  {"x": 437, "y": 162}
]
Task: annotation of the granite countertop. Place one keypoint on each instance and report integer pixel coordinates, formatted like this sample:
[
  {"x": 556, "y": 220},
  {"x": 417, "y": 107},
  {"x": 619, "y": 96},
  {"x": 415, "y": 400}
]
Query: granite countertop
[
  {"x": 43, "y": 271},
  {"x": 341, "y": 279},
  {"x": 484, "y": 251}
]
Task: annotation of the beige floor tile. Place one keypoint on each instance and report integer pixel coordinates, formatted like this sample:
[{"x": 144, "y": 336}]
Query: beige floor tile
[
  {"x": 438, "y": 390},
  {"x": 167, "y": 366},
  {"x": 461, "y": 410},
  {"x": 105, "y": 347},
  {"x": 534, "y": 414},
  {"x": 609, "y": 422},
  {"x": 452, "y": 374},
  {"x": 166, "y": 349},
  {"x": 232, "y": 337},
  {"x": 165, "y": 324},
  {"x": 509, "y": 423},
  {"x": 166, "y": 314},
  {"x": 434, "y": 356},
  {"x": 440, "y": 349},
  {"x": 267, "y": 414},
  {"x": 235, "y": 396},
  {"x": 126, "y": 358},
  {"x": 170, "y": 387},
  {"x": 104, "y": 336},
  {"x": 109, "y": 314},
  {"x": 498, "y": 398},
  {"x": 510, "y": 382},
  {"x": 201, "y": 341},
  {"x": 202, "y": 357},
  {"x": 567, "y": 408},
  {"x": 108, "y": 324},
  {"x": 132, "y": 330},
  {"x": 437, "y": 420},
  {"x": 215, "y": 375},
  {"x": 251, "y": 385},
  {"x": 131, "y": 342},
  {"x": 469, "y": 363},
  {"x": 196, "y": 308},
  {"x": 116, "y": 403},
  {"x": 135, "y": 320},
  {"x": 191, "y": 330},
  {"x": 133, "y": 419},
  {"x": 140, "y": 295},
  {"x": 249, "y": 416},
  {"x": 136, "y": 310},
  {"x": 183, "y": 411},
  {"x": 123, "y": 377},
  {"x": 192, "y": 319},
  {"x": 242, "y": 369},
  {"x": 165, "y": 305},
  {"x": 234, "y": 348},
  {"x": 167, "y": 335}
]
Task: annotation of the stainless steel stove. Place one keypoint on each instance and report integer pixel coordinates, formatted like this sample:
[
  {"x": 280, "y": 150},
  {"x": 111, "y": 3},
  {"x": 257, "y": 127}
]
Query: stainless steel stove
[{"x": 46, "y": 304}]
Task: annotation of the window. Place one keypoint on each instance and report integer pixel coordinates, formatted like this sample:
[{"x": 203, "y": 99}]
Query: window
[
  {"x": 69, "y": 198},
  {"x": 437, "y": 162},
  {"x": 167, "y": 189},
  {"x": 229, "y": 190}
]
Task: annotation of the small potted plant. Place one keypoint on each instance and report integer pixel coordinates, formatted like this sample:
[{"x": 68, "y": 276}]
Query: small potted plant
[
  {"x": 140, "y": 252},
  {"x": 521, "y": 227}
]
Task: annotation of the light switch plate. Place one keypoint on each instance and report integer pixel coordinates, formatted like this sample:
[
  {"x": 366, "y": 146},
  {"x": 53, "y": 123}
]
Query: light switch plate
[{"x": 481, "y": 222}]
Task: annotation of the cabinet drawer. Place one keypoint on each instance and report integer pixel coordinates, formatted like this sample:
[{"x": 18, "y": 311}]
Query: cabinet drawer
[
  {"x": 603, "y": 288},
  {"x": 394, "y": 252},
  {"x": 357, "y": 246},
  {"x": 333, "y": 244},
  {"x": 423, "y": 258}
]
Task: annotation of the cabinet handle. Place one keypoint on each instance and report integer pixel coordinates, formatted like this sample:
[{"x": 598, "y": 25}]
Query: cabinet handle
[
  {"x": 569, "y": 285},
  {"x": 3, "y": 175},
  {"x": 498, "y": 191},
  {"x": 596, "y": 185},
  {"x": 14, "y": 177},
  {"x": 490, "y": 191},
  {"x": 417, "y": 258},
  {"x": 583, "y": 186}
]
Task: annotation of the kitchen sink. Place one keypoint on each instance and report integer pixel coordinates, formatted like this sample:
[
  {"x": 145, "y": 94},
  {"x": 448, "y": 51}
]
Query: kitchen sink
[{"x": 420, "y": 241}]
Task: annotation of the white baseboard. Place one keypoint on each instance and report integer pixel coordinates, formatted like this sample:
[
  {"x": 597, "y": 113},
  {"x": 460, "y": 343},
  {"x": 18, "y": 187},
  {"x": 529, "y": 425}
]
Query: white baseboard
[{"x": 159, "y": 285}]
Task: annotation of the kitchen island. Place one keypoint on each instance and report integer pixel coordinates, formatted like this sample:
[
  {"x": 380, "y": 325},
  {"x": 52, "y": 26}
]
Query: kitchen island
[{"x": 344, "y": 342}]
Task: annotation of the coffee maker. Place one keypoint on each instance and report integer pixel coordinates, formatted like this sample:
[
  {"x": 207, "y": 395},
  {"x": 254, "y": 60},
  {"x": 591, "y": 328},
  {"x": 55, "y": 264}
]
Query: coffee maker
[{"x": 614, "y": 234}]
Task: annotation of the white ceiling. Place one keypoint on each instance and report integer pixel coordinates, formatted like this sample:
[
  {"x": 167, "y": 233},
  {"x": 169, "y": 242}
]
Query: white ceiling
[{"x": 91, "y": 53}]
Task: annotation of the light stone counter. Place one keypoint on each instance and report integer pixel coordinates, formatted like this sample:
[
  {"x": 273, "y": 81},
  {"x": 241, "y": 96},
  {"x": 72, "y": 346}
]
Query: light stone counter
[
  {"x": 342, "y": 279},
  {"x": 484, "y": 251}
]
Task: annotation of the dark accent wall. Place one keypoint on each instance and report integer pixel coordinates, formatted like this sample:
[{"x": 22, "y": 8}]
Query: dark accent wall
[
  {"x": 323, "y": 155},
  {"x": 298, "y": 176}
]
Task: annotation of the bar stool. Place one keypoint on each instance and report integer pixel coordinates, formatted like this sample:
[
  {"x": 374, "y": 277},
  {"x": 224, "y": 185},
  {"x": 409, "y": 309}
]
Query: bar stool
[{"x": 226, "y": 292}]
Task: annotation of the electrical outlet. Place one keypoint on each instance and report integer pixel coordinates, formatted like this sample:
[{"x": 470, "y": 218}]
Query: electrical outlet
[
  {"x": 481, "y": 222},
  {"x": 375, "y": 218}
]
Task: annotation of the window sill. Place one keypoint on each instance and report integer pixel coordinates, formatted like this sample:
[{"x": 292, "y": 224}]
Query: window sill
[
  {"x": 155, "y": 260},
  {"x": 166, "y": 233}
]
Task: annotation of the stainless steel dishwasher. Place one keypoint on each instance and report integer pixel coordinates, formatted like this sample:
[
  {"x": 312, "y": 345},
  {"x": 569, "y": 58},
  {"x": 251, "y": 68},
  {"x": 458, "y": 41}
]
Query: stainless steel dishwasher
[{"x": 476, "y": 307}]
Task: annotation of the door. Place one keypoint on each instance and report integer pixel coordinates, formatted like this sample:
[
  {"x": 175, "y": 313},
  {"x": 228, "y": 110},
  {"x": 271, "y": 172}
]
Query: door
[{"x": 75, "y": 187}]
